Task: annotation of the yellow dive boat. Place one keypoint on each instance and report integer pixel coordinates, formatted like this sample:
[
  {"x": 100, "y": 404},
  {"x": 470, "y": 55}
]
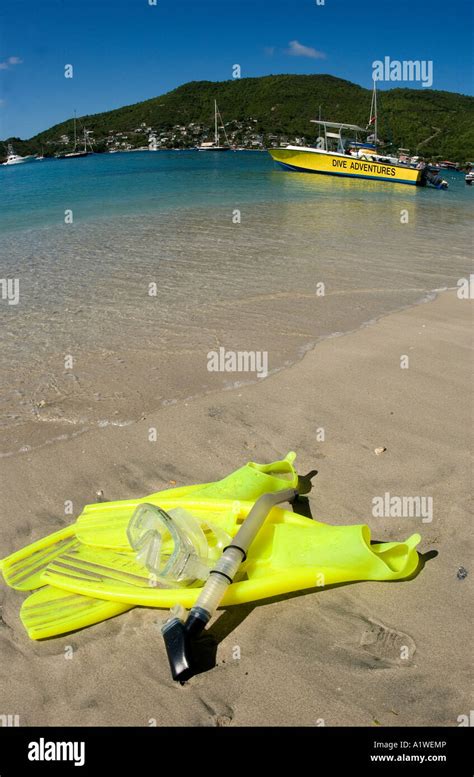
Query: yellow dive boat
[{"x": 333, "y": 154}]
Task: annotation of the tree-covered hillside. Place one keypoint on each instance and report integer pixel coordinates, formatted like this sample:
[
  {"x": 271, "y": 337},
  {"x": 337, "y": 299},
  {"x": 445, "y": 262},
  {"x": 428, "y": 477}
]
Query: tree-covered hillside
[{"x": 283, "y": 105}]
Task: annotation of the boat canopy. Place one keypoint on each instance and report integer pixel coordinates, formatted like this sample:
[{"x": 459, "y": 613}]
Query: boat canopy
[{"x": 339, "y": 126}]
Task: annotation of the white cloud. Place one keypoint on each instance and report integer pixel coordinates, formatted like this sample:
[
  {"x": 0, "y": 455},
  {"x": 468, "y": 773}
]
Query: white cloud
[
  {"x": 296, "y": 49},
  {"x": 7, "y": 63},
  {"x": 269, "y": 50}
]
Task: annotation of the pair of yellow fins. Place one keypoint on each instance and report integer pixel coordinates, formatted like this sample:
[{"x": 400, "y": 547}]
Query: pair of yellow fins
[{"x": 88, "y": 572}]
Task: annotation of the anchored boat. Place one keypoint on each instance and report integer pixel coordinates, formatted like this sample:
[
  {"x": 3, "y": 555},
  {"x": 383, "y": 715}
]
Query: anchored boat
[
  {"x": 215, "y": 145},
  {"x": 336, "y": 153},
  {"x": 15, "y": 159},
  {"x": 77, "y": 152},
  {"x": 333, "y": 155}
]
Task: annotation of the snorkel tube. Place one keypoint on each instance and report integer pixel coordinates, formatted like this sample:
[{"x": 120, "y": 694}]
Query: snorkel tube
[{"x": 180, "y": 633}]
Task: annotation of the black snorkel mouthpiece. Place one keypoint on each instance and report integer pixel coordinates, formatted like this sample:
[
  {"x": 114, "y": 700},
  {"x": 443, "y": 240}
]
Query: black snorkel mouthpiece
[{"x": 179, "y": 637}]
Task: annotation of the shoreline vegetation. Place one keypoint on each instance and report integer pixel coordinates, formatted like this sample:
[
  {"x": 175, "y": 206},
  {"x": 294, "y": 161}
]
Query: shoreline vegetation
[{"x": 267, "y": 112}]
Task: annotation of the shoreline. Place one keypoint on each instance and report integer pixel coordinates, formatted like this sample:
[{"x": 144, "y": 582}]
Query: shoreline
[
  {"x": 245, "y": 380},
  {"x": 333, "y": 654}
]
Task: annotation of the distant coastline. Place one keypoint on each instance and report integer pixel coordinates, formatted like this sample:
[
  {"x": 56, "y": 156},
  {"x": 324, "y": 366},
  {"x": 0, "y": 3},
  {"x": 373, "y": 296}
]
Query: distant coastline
[{"x": 270, "y": 111}]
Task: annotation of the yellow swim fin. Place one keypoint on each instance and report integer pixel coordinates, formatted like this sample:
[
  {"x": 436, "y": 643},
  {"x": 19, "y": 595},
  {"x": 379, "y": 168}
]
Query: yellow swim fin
[
  {"x": 290, "y": 553},
  {"x": 84, "y": 583},
  {"x": 22, "y": 569},
  {"x": 50, "y": 611},
  {"x": 104, "y": 524}
]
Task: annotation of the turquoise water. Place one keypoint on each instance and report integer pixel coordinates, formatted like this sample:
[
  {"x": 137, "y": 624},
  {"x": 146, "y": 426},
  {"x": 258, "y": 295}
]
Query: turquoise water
[
  {"x": 36, "y": 194},
  {"x": 237, "y": 251}
]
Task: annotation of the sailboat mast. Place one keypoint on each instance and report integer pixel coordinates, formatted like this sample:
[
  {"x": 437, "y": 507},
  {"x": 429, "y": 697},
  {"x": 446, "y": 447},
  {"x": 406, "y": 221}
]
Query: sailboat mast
[
  {"x": 75, "y": 139},
  {"x": 375, "y": 109},
  {"x": 216, "y": 134}
]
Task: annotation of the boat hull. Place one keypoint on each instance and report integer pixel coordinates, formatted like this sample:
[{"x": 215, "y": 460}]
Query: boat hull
[
  {"x": 313, "y": 161},
  {"x": 74, "y": 155},
  {"x": 19, "y": 160}
]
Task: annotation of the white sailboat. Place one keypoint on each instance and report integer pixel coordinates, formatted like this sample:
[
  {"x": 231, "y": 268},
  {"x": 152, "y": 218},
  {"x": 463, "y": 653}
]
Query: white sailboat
[
  {"x": 84, "y": 152},
  {"x": 214, "y": 145},
  {"x": 75, "y": 153}
]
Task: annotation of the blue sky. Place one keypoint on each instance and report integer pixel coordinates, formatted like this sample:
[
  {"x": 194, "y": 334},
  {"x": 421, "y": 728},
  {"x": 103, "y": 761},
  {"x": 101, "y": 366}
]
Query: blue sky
[{"x": 124, "y": 51}]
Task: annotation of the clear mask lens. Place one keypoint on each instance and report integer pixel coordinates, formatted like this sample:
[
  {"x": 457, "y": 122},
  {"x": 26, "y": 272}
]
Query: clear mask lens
[{"x": 173, "y": 545}]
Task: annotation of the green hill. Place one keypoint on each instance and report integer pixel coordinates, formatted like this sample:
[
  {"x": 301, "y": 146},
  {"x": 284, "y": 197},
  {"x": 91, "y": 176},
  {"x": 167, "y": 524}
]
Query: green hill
[{"x": 283, "y": 105}]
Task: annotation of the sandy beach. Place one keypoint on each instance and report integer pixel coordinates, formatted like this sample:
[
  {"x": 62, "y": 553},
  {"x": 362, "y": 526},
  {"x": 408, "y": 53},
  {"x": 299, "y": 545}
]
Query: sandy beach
[{"x": 328, "y": 657}]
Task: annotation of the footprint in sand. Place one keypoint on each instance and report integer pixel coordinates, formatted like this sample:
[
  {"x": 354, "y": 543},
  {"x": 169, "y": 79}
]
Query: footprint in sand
[
  {"x": 388, "y": 646},
  {"x": 221, "y": 713},
  {"x": 222, "y": 720}
]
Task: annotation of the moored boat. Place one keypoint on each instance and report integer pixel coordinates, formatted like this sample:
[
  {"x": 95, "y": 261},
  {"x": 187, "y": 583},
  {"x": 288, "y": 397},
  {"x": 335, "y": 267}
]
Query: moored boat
[
  {"x": 15, "y": 159},
  {"x": 336, "y": 154},
  {"x": 449, "y": 165},
  {"x": 77, "y": 152},
  {"x": 333, "y": 156},
  {"x": 214, "y": 145}
]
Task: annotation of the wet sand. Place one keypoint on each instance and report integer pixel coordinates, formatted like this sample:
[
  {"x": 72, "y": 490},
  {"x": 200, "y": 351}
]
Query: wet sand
[{"x": 394, "y": 654}]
